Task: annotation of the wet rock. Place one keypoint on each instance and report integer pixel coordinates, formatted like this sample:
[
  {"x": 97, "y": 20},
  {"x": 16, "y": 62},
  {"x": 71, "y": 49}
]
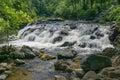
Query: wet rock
[
  {"x": 111, "y": 72},
  {"x": 95, "y": 29},
  {"x": 17, "y": 55},
  {"x": 45, "y": 57},
  {"x": 116, "y": 41},
  {"x": 90, "y": 75},
  {"x": 110, "y": 52},
  {"x": 62, "y": 66},
  {"x": 95, "y": 63},
  {"x": 116, "y": 61},
  {"x": 29, "y": 53},
  {"x": 92, "y": 37},
  {"x": 66, "y": 54},
  {"x": 99, "y": 34},
  {"x": 83, "y": 45},
  {"x": 69, "y": 44},
  {"x": 3, "y": 64},
  {"x": 116, "y": 32},
  {"x": 3, "y": 76},
  {"x": 79, "y": 73},
  {"x": 57, "y": 39},
  {"x": 10, "y": 52},
  {"x": 58, "y": 77},
  {"x": 75, "y": 79},
  {"x": 79, "y": 57},
  {"x": 2, "y": 70},
  {"x": 64, "y": 32},
  {"x": 19, "y": 62},
  {"x": 8, "y": 72},
  {"x": 73, "y": 26}
]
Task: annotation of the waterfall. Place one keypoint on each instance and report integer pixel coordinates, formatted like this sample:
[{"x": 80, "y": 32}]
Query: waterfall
[{"x": 86, "y": 38}]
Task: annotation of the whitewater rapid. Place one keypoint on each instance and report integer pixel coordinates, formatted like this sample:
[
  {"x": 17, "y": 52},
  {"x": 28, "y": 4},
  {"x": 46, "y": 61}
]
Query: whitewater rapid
[{"x": 85, "y": 38}]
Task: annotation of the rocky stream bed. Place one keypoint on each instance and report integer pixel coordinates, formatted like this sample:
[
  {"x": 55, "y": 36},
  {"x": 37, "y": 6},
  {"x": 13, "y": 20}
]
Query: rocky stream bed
[{"x": 68, "y": 50}]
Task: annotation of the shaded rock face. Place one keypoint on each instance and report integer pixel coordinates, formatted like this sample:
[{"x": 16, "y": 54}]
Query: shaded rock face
[
  {"x": 66, "y": 54},
  {"x": 5, "y": 52},
  {"x": 95, "y": 63},
  {"x": 115, "y": 36},
  {"x": 29, "y": 53}
]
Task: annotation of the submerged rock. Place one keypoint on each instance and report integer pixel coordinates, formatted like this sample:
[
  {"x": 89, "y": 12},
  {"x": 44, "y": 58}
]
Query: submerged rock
[
  {"x": 95, "y": 63},
  {"x": 66, "y": 54}
]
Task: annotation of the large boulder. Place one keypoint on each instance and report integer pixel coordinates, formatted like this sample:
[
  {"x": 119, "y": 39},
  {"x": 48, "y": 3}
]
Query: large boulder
[
  {"x": 111, "y": 72},
  {"x": 111, "y": 52},
  {"x": 17, "y": 55},
  {"x": 29, "y": 53},
  {"x": 58, "y": 77},
  {"x": 63, "y": 66},
  {"x": 79, "y": 73},
  {"x": 90, "y": 75},
  {"x": 66, "y": 54},
  {"x": 95, "y": 63}
]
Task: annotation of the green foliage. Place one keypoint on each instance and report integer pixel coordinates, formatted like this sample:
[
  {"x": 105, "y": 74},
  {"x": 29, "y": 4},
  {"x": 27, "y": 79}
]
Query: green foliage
[
  {"x": 111, "y": 14},
  {"x": 115, "y": 14}
]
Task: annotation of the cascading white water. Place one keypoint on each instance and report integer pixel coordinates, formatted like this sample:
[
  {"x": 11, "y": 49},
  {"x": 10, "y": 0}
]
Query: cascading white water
[{"x": 85, "y": 38}]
